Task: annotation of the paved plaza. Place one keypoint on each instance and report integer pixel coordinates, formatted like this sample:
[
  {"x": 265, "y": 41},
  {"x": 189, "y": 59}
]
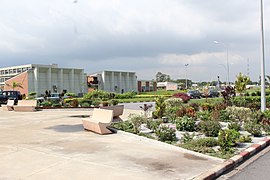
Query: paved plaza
[{"x": 52, "y": 144}]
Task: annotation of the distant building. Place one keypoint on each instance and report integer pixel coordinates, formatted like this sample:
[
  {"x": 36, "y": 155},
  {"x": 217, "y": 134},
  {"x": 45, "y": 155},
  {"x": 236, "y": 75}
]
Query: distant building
[
  {"x": 169, "y": 86},
  {"x": 147, "y": 86},
  {"x": 39, "y": 78},
  {"x": 113, "y": 81}
]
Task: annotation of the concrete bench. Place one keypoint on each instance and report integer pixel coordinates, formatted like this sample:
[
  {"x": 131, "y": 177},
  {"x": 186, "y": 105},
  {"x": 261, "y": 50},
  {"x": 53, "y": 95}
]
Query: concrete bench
[
  {"x": 9, "y": 105},
  {"x": 117, "y": 109},
  {"x": 26, "y": 106},
  {"x": 99, "y": 121}
]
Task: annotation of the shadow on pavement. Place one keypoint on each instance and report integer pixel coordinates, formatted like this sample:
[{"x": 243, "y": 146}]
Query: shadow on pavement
[{"x": 67, "y": 128}]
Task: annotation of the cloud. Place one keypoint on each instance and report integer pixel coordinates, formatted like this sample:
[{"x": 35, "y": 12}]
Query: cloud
[{"x": 142, "y": 36}]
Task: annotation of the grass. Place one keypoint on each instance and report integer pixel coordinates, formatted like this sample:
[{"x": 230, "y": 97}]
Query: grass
[
  {"x": 160, "y": 92},
  {"x": 136, "y": 100}
]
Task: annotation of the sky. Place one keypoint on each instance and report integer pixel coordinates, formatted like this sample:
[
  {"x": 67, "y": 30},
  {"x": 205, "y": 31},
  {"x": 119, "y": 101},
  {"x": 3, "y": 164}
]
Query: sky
[{"x": 143, "y": 36}]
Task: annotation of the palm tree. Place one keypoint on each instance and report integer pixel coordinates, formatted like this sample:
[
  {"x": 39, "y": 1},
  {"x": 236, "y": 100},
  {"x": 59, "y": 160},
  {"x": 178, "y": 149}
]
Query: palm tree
[{"x": 15, "y": 85}]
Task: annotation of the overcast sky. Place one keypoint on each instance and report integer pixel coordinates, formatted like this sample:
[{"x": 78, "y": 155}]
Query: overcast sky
[{"x": 145, "y": 36}]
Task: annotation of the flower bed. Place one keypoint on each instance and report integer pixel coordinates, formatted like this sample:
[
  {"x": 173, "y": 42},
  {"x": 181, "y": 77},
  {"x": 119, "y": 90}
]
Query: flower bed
[{"x": 212, "y": 129}]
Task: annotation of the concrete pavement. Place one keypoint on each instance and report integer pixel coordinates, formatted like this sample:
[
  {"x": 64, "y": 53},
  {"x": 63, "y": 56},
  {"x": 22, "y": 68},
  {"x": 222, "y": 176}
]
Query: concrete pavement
[{"x": 52, "y": 144}]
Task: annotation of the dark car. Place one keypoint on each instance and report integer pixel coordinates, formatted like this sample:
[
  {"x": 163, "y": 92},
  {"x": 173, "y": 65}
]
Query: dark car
[
  {"x": 193, "y": 94},
  {"x": 212, "y": 93},
  {"x": 5, "y": 95}
]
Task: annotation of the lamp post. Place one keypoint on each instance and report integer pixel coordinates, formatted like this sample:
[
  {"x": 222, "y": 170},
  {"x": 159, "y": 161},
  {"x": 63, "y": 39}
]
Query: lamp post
[
  {"x": 227, "y": 59},
  {"x": 263, "y": 100},
  {"x": 186, "y": 65}
]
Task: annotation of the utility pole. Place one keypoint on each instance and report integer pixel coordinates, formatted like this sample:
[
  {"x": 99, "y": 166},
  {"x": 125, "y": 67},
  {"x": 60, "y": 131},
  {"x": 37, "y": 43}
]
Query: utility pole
[
  {"x": 186, "y": 65},
  {"x": 263, "y": 100}
]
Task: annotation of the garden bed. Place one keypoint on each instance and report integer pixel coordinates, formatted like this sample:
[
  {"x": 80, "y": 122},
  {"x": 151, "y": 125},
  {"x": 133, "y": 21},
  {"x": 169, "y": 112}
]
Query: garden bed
[{"x": 213, "y": 129}]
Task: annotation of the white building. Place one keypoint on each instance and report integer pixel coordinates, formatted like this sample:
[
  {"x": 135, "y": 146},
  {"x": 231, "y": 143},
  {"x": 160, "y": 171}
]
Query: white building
[
  {"x": 39, "y": 78},
  {"x": 113, "y": 81},
  {"x": 169, "y": 86}
]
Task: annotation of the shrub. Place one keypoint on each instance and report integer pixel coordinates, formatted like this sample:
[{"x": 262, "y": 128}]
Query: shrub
[
  {"x": 97, "y": 94},
  {"x": 171, "y": 113},
  {"x": 227, "y": 139},
  {"x": 166, "y": 134},
  {"x": 207, "y": 107},
  {"x": 104, "y": 103},
  {"x": 185, "y": 124},
  {"x": 234, "y": 125},
  {"x": 153, "y": 124},
  {"x": 190, "y": 112},
  {"x": 173, "y": 102},
  {"x": 202, "y": 145},
  {"x": 239, "y": 114},
  {"x": 70, "y": 94},
  {"x": 85, "y": 104},
  {"x": 245, "y": 139},
  {"x": 220, "y": 106},
  {"x": 32, "y": 95},
  {"x": 208, "y": 142},
  {"x": 127, "y": 95},
  {"x": 56, "y": 105},
  {"x": 185, "y": 98},
  {"x": 46, "y": 104},
  {"x": 181, "y": 112},
  {"x": 253, "y": 128},
  {"x": 204, "y": 115},
  {"x": 160, "y": 107},
  {"x": 224, "y": 116},
  {"x": 137, "y": 121},
  {"x": 126, "y": 126},
  {"x": 195, "y": 106},
  {"x": 187, "y": 137},
  {"x": 82, "y": 101},
  {"x": 266, "y": 114},
  {"x": 113, "y": 102},
  {"x": 74, "y": 103},
  {"x": 253, "y": 94},
  {"x": 209, "y": 128},
  {"x": 96, "y": 102}
]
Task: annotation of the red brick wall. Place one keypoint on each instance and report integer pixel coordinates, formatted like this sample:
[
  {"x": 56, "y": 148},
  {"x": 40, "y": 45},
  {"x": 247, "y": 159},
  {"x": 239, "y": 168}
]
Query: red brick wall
[
  {"x": 21, "y": 78},
  {"x": 139, "y": 86}
]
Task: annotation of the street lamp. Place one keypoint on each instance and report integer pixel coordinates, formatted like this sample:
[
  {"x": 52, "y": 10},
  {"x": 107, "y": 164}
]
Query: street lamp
[
  {"x": 227, "y": 59},
  {"x": 186, "y": 65},
  {"x": 225, "y": 68},
  {"x": 263, "y": 100}
]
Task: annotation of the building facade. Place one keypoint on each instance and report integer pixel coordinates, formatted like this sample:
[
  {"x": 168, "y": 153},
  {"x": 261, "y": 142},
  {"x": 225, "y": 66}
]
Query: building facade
[
  {"x": 147, "y": 86},
  {"x": 39, "y": 78},
  {"x": 9, "y": 72},
  {"x": 113, "y": 81},
  {"x": 169, "y": 86}
]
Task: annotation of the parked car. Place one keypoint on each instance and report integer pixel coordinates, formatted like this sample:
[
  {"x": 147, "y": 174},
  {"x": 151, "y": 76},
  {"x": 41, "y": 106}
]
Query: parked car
[
  {"x": 5, "y": 95},
  {"x": 211, "y": 93},
  {"x": 55, "y": 97},
  {"x": 194, "y": 94}
]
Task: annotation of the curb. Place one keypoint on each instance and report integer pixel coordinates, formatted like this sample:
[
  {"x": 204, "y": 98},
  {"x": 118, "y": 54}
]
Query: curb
[{"x": 233, "y": 161}]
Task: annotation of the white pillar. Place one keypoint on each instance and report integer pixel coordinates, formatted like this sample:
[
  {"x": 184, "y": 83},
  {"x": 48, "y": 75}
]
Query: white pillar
[
  {"x": 72, "y": 81},
  {"x": 49, "y": 79},
  {"x": 36, "y": 83},
  {"x": 61, "y": 81}
]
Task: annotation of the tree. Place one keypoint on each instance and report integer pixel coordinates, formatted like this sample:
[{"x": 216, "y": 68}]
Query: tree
[
  {"x": 160, "y": 77},
  {"x": 241, "y": 83},
  {"x": 15, "y": 85}
]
